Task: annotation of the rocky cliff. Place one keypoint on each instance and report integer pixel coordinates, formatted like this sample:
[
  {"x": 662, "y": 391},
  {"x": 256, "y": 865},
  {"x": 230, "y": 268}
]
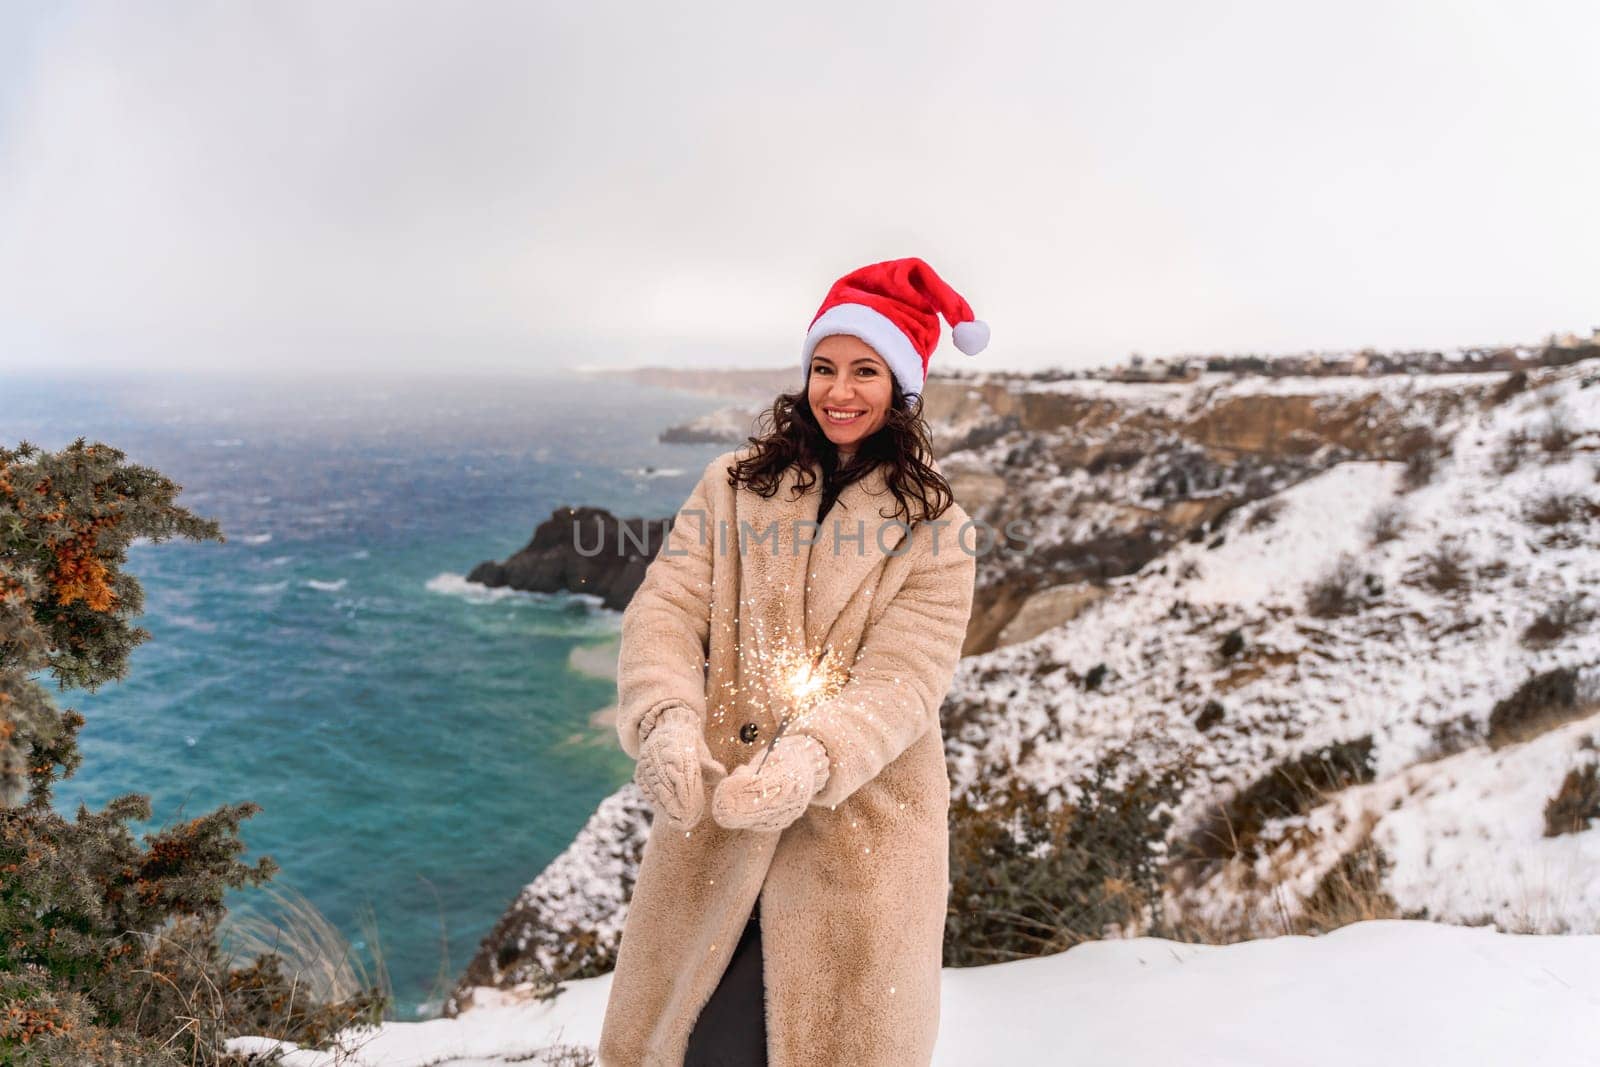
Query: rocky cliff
[{"x": 580, "y": 550}]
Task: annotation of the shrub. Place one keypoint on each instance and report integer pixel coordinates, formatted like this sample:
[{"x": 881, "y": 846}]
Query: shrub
[
  {"x": 1557, "y": 436},
  {"x": 1575, "y": 803},
  {"x": 1513, "y": 450},
  {"x": 1541, "y": 703},
  {"x": 1556, "y": 621},
  {"x": 1096, "y": 675},
  {"x": 1232, "y": 644},
  {"x": 1451, "y": 736},
  {"x": 1344, "y": 590},
  {"x": 1419, "y": 449},
  {"x": 110, "y": 948},
  {"x": 1555, "y": 508},
  {"x": 1209, "y": 716},
  {"x": 1265, "y": 514},
  {"x": 1444, "y": 569},
  {"x": 1387, "y": 523},
  {"x": 1026, "y": 880},
  {"x": 1113, "y": 459},
  {"x": 1515, "y": 383}
]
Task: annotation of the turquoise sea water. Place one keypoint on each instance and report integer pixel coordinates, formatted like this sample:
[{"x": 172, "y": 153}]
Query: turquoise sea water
[{"x": 417, "y": 746}]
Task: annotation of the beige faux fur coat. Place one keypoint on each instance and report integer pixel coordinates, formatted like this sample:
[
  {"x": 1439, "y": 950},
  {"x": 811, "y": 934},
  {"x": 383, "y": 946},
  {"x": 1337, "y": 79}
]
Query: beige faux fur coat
[{"x": 853, "y": 893}]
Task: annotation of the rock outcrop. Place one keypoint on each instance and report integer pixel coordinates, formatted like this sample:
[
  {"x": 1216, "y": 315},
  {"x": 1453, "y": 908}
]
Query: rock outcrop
[{"x": 580, "y": 550}]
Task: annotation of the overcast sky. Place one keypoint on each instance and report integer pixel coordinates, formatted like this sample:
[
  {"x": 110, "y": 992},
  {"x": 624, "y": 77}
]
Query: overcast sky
[{"x": 368, "y": 185}]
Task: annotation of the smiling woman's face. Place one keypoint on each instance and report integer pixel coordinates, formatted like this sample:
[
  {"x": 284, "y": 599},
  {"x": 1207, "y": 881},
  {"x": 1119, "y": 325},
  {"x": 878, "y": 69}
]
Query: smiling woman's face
[{"x": 849, "y": 389}]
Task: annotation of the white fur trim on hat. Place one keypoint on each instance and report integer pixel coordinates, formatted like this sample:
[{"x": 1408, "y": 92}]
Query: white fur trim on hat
[
  {"x": 876, "y": 329},
  {"x": 971, "y": 337}
]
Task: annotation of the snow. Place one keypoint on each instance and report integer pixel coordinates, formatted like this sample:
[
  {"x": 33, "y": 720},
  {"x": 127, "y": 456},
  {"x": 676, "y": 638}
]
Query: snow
[
  {"x": 1375, "y": 993},
  {"x": 1174, "y": 399},
  {"x": 1319, "y": 520}
]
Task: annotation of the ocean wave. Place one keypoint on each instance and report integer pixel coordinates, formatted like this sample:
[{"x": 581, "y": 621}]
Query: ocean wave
[
  {"x": 255, "y": 539},
  {"x": 190, "y": 622},
  {"x": 360, "y": 553},
  {"x": 267, "y": 588},
  {"x": 654, "y": 472},
  {"x": 451, "y": 584},
  {"x": 327, "y": 586}
]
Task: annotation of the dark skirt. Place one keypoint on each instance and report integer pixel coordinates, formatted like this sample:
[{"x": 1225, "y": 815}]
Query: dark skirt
[{"x": 732, "y": 1028}]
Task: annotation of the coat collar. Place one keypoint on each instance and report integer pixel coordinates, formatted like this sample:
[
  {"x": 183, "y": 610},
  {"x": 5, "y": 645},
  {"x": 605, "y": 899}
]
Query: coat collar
[{"x": 810, "y": 585}]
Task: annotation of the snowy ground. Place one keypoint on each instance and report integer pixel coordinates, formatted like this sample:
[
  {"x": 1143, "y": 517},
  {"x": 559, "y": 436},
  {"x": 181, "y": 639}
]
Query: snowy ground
[{"x": 1400, "y": 992}]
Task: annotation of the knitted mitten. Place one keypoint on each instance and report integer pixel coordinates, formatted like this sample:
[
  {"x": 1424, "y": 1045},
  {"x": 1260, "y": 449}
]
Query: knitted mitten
[
  {"x": 795, "y": 769},
  {"x": 672, "y": 754}
]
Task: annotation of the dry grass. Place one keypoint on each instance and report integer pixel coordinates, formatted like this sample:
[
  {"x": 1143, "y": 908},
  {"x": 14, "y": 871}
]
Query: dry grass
[
  {"x": 1575, "y": 803},
  {"x": 311, "y": 947},
  {"x": 1295, "y": 786},
  {"x": 315, "y": 955},
  {"x": 1350, "y": 892}
]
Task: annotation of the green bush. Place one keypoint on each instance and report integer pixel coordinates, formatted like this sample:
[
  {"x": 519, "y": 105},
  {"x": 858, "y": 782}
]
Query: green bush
[
  {"x": 108, "y": 947},
  {"x": 1028, "y": 878}
]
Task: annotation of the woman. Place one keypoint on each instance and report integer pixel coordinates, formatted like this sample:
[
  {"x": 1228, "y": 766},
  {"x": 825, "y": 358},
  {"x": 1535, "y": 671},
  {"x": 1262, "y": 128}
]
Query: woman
[{"x": 812, "y": 662}]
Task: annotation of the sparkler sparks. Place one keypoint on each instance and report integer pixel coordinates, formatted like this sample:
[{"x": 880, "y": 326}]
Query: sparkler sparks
[{"x": 802, "y": 682}]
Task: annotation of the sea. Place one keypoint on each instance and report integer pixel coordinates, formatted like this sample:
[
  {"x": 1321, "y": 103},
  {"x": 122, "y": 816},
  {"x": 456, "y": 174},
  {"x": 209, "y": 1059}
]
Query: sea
[{"x": 420, "y": 746}]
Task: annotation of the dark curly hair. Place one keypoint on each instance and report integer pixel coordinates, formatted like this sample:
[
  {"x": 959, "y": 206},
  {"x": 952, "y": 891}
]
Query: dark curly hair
[{"x": 788, "y": 435}]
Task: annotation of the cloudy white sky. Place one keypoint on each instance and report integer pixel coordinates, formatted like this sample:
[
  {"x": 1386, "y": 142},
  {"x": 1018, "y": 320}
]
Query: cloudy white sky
[{"x": 430, "y": 185}]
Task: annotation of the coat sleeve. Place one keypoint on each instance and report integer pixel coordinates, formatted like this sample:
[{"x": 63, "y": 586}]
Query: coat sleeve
[
  {"x": 900, "y": 676},
  {"x": 666, "y": 627}
]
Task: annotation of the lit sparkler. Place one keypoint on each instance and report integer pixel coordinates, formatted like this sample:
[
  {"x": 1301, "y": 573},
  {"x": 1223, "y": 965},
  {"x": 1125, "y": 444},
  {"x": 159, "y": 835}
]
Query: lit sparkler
[{"x": 805, "y": 682}]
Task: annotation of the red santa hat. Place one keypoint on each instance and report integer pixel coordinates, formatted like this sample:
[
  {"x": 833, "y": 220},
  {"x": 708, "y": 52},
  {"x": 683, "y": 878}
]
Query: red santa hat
[{"x": 895, "y": 307}]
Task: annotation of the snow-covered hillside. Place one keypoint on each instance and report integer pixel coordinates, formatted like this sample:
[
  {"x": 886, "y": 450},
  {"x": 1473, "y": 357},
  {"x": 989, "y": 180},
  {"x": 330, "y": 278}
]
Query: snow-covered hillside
[
  {"x": 1429, "y": 600},
  {"x": 1382, "y": 993}
]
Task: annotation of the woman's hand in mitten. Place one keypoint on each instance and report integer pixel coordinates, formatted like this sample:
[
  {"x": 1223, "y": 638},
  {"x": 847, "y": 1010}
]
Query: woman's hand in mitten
[
  {"x": 673, "y": 757},
  {"x": 794, "y": 770}
]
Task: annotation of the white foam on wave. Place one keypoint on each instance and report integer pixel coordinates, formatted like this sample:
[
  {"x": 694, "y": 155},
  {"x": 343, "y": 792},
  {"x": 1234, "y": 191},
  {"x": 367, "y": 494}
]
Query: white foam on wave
[
  {"x": 327, "y": 586},
  {"x": 255, "y": 539},
  {"x": 452, "y": 584},
  {"x": 267, "y": 588}
]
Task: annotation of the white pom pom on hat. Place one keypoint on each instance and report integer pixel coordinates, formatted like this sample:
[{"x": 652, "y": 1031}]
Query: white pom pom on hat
[
  {"x": 894, "y": 306},
  {"x": 971, "y": 337}
]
